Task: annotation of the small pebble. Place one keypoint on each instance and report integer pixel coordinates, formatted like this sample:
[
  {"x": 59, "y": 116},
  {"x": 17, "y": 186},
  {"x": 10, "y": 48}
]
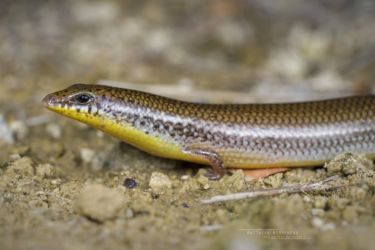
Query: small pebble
[
  {"x": 340, "y": 203},
  {"x": 317, "y": 212},
  {"x": 185, "y": 205},
  {"x": 56, "y": 181},
  {"x": 6, "y": 135},
  {"x": 306, "y": 198},
  {"x": 14, "y": 157},
  {"x": 185, "y": 177},
  {"x": 348, "y": 164},
  {"x": 275, "y": 180},
  {"x": 45, "y": 170},
  {"x": 19, "y": 129},
  {"x": 329, "y": 226},
  {"x": 23, "y": 166},
  {"x": 54, "y": 130},
  {"x": 99, "y": 202},
  {"x": 159, "y": 183},
  {"x": 99, "y": 134},
  {"x": 40, "y": 193},
  {"x": 317, "y": 222},
  {"x": 130, "y": 183},
  {"x": 320, "y": 202},
  {"x": 87, "y": 155},
  {"x": 129, "y": 213},
  {"x": 203, "y": 182},
  {"x": 237, "y": 180}
]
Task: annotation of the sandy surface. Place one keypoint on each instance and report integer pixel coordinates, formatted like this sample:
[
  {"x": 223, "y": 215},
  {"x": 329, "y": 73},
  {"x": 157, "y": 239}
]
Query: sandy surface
[{"x": 66, "y": 186}]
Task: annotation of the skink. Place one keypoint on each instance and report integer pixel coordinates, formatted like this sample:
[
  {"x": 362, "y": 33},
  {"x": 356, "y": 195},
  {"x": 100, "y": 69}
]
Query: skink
[{"x": 225, "y": 135}]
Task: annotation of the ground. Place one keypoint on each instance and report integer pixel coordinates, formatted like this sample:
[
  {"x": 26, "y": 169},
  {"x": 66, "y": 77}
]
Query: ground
[{"x": 67, "y": 186}]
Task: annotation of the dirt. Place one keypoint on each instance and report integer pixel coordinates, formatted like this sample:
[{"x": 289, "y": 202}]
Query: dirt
[
  {"x": 67, "y": 186},
  {"x": 63, "y": 204}
]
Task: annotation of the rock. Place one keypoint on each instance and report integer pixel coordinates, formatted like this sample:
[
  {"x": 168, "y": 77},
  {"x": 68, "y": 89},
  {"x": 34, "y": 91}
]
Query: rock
[
  {"x": 99, "y": 202},
  {"x": 159, "y": 183}
]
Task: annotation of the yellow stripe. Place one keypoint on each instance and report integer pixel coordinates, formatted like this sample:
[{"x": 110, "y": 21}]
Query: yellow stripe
[{"x": 137, "y": 138}]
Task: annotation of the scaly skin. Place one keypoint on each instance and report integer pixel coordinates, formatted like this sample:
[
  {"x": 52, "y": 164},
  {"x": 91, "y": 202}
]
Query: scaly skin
[{"x": 235, "y": 135}]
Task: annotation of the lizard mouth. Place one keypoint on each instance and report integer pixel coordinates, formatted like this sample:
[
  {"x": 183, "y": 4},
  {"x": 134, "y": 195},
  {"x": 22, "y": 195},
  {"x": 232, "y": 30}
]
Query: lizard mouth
[{"x": 49, "y": 100}]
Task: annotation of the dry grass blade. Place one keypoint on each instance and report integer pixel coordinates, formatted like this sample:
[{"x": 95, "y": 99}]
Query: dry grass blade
[{"x": 320, "y": 185}]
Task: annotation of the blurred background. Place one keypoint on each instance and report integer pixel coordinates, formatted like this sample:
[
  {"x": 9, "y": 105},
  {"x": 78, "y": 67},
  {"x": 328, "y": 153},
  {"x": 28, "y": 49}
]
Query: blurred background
[
  {"x": 269, "y": 47},
  {"x": 209, "y": 51}
]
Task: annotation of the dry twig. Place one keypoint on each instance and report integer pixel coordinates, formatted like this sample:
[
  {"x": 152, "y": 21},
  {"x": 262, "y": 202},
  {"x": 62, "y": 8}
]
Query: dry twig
[{"x": 320, "y": 185}]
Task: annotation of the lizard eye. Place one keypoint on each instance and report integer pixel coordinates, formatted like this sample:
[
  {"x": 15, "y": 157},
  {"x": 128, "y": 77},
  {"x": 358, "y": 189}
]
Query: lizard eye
[{"x": 83, "y": 98}]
